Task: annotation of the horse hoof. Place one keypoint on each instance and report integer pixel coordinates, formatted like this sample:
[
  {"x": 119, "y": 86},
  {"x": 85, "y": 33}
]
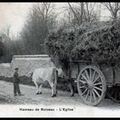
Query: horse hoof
[
  {"x": 53, "y": 96},
  {"x": 71, "y": 95},
  {"x": 38, "y": 93}
]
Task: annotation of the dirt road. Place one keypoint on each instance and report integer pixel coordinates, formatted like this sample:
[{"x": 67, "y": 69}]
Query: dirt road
[{"x": 74, "y": 105}]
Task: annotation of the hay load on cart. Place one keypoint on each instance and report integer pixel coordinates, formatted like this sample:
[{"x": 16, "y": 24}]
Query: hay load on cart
[{"x": 90, "y": 54}]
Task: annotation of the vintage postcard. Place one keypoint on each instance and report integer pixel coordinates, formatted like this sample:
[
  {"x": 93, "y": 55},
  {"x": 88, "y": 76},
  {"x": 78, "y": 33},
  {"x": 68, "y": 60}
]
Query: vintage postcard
[{"x": 60, "y": 59}]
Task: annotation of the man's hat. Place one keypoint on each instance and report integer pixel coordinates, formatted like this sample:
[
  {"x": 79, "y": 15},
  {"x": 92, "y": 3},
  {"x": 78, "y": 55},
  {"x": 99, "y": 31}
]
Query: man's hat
[{"x": 16, "y": 68}]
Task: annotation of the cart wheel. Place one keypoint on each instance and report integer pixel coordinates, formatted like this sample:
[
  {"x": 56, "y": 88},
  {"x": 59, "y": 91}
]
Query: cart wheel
[
  {"x": 91, "y": 85},
  {"x": 114, "y": 93}
]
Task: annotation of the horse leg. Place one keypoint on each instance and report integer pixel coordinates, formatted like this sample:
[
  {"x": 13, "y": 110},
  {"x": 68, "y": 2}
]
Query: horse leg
[
  {"x": 37, "y": 88},
  {"x": 53, "y": 89},
  {"x": 54, "y": 83},
  {"x": 40, "y": 89},
  {"x": 71, "y": 89}
]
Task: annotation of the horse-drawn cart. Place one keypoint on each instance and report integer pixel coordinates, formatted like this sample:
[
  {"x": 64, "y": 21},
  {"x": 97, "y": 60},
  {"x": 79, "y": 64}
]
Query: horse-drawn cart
[
  {"x": 95, "y": 82},
  {"x": 99, "y": 43}
]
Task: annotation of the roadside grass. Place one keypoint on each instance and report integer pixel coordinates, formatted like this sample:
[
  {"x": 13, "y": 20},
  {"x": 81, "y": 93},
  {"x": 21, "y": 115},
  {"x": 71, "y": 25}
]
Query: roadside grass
[{"x": 6, "y": 100}]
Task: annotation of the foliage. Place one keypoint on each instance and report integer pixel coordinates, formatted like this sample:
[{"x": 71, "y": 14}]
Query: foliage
[
  {"x": 10, "y": 48},
  {"x": 1, "y": 48},
  {"x": 97, "y": 42}
]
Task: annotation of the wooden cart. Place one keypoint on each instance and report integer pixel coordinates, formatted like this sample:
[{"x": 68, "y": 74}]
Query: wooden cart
[{"x": 95, "y": 82}]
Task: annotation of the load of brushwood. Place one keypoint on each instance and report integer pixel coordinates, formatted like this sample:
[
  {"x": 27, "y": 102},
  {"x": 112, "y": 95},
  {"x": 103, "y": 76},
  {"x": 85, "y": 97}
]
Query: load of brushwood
[{"x": 95, "y": 42}]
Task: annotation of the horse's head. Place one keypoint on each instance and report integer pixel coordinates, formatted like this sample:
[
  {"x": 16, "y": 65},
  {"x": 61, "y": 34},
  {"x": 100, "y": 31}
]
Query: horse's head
[
  {"x": 30, "y": 74},
  {"x": 60, "y": 72}
]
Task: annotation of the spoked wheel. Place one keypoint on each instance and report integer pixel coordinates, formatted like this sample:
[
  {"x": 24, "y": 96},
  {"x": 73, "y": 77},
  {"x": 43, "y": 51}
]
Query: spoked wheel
[
  {"x": 114, "y": 93},
  {"x": 91, "y": 85}
]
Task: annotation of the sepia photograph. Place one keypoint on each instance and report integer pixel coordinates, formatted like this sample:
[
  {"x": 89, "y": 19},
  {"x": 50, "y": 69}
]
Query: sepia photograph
[{"x": 59, "y": 59}]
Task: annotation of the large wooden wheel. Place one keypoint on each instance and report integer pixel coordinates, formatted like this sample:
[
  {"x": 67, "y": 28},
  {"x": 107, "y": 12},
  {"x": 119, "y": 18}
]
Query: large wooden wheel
[{"x": 91, "y": 85}]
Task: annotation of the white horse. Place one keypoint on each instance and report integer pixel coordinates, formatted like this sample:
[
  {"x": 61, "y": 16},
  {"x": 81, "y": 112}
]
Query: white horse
[{"x": 50, "y": 74}]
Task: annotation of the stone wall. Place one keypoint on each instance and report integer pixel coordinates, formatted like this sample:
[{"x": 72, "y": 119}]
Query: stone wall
[
  {"x": 25, "y": 63},
  {"x": 28, "y": 63}
]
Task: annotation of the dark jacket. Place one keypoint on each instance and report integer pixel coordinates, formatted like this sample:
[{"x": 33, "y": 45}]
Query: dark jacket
[{"x": 16, "y": 78}]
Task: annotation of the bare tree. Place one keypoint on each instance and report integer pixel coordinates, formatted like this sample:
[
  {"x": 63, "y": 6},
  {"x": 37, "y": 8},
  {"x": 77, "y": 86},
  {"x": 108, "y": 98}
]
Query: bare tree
[
  {"x": 82, "y": 12},
  {"x": 90, "y": 14},
  {"x": 114, "y": 9},
  {"x": 40, "y": 21},
  {"x": 45, "y": 12}
]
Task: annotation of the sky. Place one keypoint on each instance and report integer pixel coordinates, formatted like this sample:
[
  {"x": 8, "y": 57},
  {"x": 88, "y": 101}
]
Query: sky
[{"x": 14, "y": 15}]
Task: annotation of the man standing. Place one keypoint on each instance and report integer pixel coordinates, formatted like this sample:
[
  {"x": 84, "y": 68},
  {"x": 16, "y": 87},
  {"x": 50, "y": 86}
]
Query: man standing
[{"x": 16, "y": 83}]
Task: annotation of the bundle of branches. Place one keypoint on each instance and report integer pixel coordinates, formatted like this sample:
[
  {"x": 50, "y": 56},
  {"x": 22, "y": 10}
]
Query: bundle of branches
[{"x": 97, "y": 42}]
